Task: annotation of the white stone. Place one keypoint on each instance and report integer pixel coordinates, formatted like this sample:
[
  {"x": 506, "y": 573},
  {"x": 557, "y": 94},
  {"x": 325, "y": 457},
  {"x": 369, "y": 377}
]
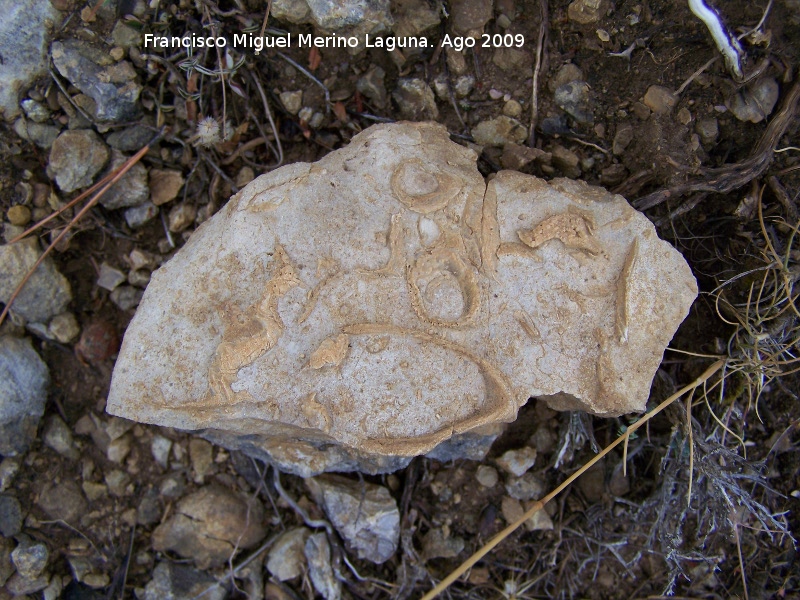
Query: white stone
[{"x": 321, "y": 320}]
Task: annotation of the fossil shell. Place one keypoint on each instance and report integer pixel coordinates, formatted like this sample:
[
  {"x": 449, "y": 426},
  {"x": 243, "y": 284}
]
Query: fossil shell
[{"x": 354, "y": 312}]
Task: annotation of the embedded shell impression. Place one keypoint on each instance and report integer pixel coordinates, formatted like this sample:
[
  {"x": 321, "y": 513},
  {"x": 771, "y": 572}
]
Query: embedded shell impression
[{"x": 386, "y": 298}]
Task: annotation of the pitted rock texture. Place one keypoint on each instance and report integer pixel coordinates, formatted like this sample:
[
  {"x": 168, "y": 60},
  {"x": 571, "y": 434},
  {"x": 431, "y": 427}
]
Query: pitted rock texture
[{"x": 360, "y": 310}]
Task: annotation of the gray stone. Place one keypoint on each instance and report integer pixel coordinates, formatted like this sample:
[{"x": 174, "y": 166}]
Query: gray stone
[
  {"x": 415, "y": 99},
  {"x": 23, "y": 46},
  {"x": 318, "y": 555},
  {"x": 75, "y": 158},
  {"x": 58, "y": 437},
  {"x": 371, "y": 85},
  {"x": 112, "y": 86},
  {"x": 148, "y": 511},
  {"x": 755, "y": 101},
  {"x": 110, "y": 278},
  {"x": 210, "y": 525},
  {"x": 40, "y": 134},
  {"x": 63, "y": 501},
  {"x": 9, "y": 467},
  {"x": 130, "y": 139},
  {"x": 21, "y": 586},
  {"x": 499, "y": 132},
  {"x": 118, "y": 482},
  {"x": 126, "y": 297},
  {"x": 30, "y": 559},
  {"x": 438, "y": 545},
  {"x": 364, "y": 514},
  {"x": 286, "y": 559},
  {"x": 362, "y": 16},
  {"x": 46, "y": 293},
  {"x": 526, "y": 487},
  {"x": 358, "y": 349},
  {"x": 707, "y": 129},
  {"x": 10, "y": 516},
  {"x": 22, "y": 395},
  {"x": 138, "y": 216},
  {"x": 131, "y": 189},
  {"x": 179, "y": 582},
  {"x": 472, "y": 445},
  {"x": 160, "y": 448},
  {"x": 573, "y": 98},
  {"x": 622, "y": 138}
]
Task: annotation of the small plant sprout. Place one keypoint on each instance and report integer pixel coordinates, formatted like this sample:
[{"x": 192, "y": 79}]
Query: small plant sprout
[{"x": 727, "y": 44}]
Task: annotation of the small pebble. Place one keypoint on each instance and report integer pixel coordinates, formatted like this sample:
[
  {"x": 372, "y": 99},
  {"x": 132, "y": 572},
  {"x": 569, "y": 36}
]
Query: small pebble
[
  {"x": 137, "y": 216},
  {"x": 165, "y": 184},
  {"x": 602, "y": 34},
  {"x": 117, "y": 482},
  {"x": 512, "y": 108},
  {"x": 117, "y": 53},
  {"x": 110, "y": 277},
  {"x": 10, "y": 516},
  {"x": 487, "y": 476},
  {"x": 160, "y": 447},
  {"x": 99, "y": 341},
  {"x": 30, "y": 559},
  {"x": 464, "y": 85},
  {"x": 292, "y": 101},
  {"x": 708, "y": 130},
  {"x": 19, "y": 215},
  {"x": 64, "y": 327},
  {"x": 59, "y": 437},
  {"x": 119, "y": 449},
  {"x": 659, "y": 99},
  {"x": 684, "y": 116},
  {"x": 139, "y": 278},
  {"x": 517, "y": 462},
  {"x": 201, "y": 455},
  {"x": 503, "y": 21},
  {"x": 495, "y": 94},
  {"x": 126, "y": 297},
  {"x": 181, "y": 216},
  {"x": 93, "y": 490}
]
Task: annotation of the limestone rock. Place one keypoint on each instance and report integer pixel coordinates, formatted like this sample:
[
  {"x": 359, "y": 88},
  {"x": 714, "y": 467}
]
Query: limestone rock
[{"x": 358, "y": 311}]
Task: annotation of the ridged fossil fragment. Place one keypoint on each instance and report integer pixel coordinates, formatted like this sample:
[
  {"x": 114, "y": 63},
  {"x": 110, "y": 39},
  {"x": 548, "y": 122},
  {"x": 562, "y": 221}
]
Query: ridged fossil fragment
[{"x": 355, "y": 312}]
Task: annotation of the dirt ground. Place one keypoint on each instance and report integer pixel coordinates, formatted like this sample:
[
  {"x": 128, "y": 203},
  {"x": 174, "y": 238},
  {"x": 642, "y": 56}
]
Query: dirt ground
[{"x": 614, "y": 535}]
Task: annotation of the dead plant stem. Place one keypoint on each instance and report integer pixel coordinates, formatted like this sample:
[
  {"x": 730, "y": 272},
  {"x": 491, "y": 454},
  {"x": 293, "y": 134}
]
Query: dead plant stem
[{"x": 539, "y": 505}]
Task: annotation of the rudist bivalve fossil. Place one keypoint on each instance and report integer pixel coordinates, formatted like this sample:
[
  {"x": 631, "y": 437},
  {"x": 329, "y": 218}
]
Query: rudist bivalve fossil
[{"x": 387, "y": 302}]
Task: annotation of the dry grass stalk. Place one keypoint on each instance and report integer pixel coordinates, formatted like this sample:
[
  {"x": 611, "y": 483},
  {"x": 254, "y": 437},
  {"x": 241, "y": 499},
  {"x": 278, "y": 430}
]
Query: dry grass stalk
[
  {"x": 540, "y": 504},
  {"x": 103, "y": 186}
]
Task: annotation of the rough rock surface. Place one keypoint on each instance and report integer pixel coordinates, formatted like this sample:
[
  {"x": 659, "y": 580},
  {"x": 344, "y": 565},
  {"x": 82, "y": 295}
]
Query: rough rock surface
[
  {"x": 364, "y": 514},
  {"x": 112, "y": 86},
  {"x": 23, "y": 393},
  {"x": 23, "y": 48},
  {"x": 354, "y": 312}
]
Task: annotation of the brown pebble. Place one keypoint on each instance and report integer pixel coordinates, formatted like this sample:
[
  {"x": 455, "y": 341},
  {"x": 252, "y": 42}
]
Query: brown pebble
[
  {"x": 19, "y": 215},
  {"x": 99, "y": 341}
]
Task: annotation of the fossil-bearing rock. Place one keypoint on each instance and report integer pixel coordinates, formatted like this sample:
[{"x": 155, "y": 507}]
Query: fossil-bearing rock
[{"x": 355, "y": 312}]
